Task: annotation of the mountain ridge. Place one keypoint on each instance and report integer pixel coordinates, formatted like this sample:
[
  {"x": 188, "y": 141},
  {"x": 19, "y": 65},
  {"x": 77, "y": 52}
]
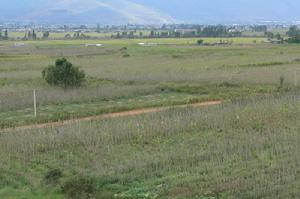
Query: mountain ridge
[{"x": 149, "y": 11}]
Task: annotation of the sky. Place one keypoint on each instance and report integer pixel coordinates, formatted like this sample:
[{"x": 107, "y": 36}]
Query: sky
[{"x": 154, "y": 11}]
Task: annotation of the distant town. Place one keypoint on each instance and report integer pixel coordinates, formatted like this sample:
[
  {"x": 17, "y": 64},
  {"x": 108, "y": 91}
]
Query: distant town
[{"x": 16, "y": 31}]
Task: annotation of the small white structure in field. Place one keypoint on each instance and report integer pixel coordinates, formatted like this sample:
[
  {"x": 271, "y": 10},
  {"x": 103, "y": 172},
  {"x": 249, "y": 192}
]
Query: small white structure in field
[
  {"x": 20, "y": 44},
  {"x": 97, "y": 45},
  {"x": 147, "y": 44}
]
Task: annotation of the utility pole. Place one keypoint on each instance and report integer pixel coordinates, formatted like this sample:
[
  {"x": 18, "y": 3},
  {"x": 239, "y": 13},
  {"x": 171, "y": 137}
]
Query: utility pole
[{"x": 34, "y": 103}]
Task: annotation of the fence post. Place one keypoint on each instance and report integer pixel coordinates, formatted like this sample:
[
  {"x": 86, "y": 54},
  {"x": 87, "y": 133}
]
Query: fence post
[
  {"x": 34, "y": 102},
  {"x": 296, "y": 78}
]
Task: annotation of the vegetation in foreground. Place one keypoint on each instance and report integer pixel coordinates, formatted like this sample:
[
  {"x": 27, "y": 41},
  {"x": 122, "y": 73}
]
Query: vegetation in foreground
[{"x": 244, "y": 149}]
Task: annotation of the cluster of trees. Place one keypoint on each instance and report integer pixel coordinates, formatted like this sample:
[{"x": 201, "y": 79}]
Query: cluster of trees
[
  {"x": 207, "y": 31},
  {"x": 260, "y": 28},
  {"x": 98, "y": 30},
  {"x": 218, "y": 31},
  {"x": 77, "y": 35},
  {"x": 125, "y": 34},
  {"x": 271, "y": 35},
  {"x": 294, "y": 35},
  {"x": 46, "y": 35},
  {"x": 32, "y": 35},
  {"x": 3, "y": 35}
]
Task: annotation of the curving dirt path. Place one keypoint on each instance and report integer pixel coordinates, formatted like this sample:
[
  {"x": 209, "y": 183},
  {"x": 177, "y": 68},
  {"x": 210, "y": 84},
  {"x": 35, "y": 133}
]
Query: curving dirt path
[{"x": 109, "y": 115}]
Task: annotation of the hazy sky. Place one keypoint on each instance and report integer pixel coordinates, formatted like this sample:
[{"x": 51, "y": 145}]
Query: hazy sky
[{"x": 168, "y": 10}]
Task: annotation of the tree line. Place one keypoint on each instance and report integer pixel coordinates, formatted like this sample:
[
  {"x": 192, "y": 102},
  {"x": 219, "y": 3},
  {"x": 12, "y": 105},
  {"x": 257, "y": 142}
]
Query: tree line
[
  {"x": 32, "y": 35},
  {"x": 4, "y": 35},
  {"x": 294, "y": 35},
  {"x": 208, "y": 31}
]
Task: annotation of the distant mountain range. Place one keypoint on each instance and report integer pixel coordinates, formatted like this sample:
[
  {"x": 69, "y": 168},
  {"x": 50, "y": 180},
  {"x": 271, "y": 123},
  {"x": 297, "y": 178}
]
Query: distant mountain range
[{"x": 149, "y": 11}]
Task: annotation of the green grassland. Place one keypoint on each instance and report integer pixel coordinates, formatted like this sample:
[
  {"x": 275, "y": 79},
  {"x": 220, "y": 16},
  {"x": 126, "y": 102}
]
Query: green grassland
[
  {"x": 245, "y": 148},
  {"x": 122, "y": 70}
]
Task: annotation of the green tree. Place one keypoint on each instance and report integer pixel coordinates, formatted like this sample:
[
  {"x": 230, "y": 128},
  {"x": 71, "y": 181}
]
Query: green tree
[
  {"x": 98, "y": 30},
  {"x": 293, "y": 31},
  {"x": 270, "y": 35},
  {"x": 124, "y": 34},
  {"x": 294, "y": 34},
  {"x": 152, "y": 33},
  {"x": 131, "y": 34},
  {"x": 46, "y": 35},
  {"x": 177, "y": 34},
  {"x": 6, "y": 34},
  {"x": 278, "y": 36},
  {"x": 76, "y": 35},
  {"x": 64, "y": 74},
  {"x": 29, "y": 35},
  {"x": 200, "y": 42},
  {"x": 34, "y": 35}
]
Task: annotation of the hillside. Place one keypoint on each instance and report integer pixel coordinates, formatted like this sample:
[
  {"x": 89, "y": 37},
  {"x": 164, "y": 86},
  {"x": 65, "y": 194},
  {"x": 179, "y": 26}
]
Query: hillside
[
  {"x": 149, "y": 11},
  {"x": 88, "y": 11}
]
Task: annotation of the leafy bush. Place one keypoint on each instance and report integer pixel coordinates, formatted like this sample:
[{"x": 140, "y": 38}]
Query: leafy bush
[
  {"x": 200, "y": 41},
  {"x": 80, "y": 187},
  {"x": 64, "y": 74},
  {"x": 126, "y": 55},
  {"x": 53, "y": 176}
]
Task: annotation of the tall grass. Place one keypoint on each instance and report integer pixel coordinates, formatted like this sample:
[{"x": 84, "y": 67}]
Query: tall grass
[
  {"x": 244, "y": 149},
  {"x": 18, "y": 100}
]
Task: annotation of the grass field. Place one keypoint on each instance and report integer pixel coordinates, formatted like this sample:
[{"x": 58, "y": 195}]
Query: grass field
[
  {"x": 122, "y": 70},
  {"x": 245, "y": 148}
]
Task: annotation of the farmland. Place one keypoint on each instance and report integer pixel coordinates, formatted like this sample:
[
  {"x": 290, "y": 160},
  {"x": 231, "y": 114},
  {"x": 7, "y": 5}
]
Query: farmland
[
  {"x": 122, "y": 75},
  {"x": 247, "y": 147}
]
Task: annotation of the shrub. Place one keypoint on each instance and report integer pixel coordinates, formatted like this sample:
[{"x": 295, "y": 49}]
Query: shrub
[
  {"x": 228, "y": 85},
  {"x": 281, "y": 81},
  {"x": 126, "y": 55},
  {"x": 53, "y": 176},
  {"x": 200, "y": 41},
  {"x": 80, "y": 187},
  {"x": 123, "y": 48},
  {"x": 64, "y": 74}
]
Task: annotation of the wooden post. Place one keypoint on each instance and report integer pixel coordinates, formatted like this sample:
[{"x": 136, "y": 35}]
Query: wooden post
[
  {"x": 34, "y": 103},
  {"x": 296, "y": 78}
]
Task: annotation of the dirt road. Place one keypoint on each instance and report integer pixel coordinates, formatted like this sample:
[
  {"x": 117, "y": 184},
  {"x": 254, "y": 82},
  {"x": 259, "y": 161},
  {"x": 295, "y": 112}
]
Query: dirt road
[{"x": 109, "y": 115}]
